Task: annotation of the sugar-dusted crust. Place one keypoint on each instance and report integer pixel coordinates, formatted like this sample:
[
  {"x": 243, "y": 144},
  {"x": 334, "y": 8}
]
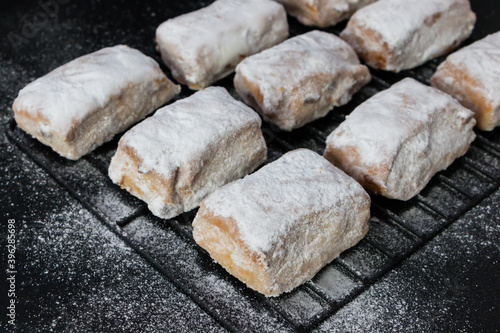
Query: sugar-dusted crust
[
  {"x": 471, "y": 75},
  {"x": 173, "y": 159},
  {"x": 205, "y": 45},
  {"x": 301, "y": 79},
  {"x": 395, "y": 35},
  {"x": 323, "y": 13},
  {"x": 393, "y": 143},
  {"x": 84, "y": 103},
  {"x": 276, "y": 228}
]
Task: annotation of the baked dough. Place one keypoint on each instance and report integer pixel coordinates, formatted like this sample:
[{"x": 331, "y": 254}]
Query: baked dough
[
  {"x": 84, "y": 103},
  {"x": 173, "y": 159},
  {"x": 276, "y": 228},
  {"x": 301, "y": 79},
  {"x": 323, "y": 13},
  {"x": 472, "y": 76},
  {"x": 394, "y": 142},
  {"x": 399, "y": 34},
  {"x": 205, "y": 45}
]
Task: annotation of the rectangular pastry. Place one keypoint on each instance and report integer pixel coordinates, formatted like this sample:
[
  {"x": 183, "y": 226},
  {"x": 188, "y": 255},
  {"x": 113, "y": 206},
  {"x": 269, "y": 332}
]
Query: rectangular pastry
[
  {"x": 301, "y": 79},
  {"x": 275, "y": 229},
  {"x": 187, "y": 149},
  {"x": 323, "y": 13},
  {"x": 84, "y": 103},
  {"x": 472, "y": 76},
  {"x": 203, "y": 46},
  {"x": 394, "y": 35},
  {"x": 394, "y": 142}
]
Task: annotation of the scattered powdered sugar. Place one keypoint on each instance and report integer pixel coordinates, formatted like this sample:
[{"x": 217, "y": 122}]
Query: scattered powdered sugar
[
  {"x": 85, "y": 84},
  {"x": 12, "y": 76},
  {"x": 301, "y": 306},
  {"x": 74, "y": 274},
  {"x": 84, "y": 277},
  {"x": 444, "y": 287},
  {"x": 227, "y": 298},
  {"x": 335, "y": 283},
  {"x": 139, "y": 313}
]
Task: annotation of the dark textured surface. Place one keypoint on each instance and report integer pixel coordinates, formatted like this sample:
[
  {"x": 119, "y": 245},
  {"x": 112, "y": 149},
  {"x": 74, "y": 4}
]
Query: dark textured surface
[
  {"x": 74, "y": 274},
  {"x": 92, "y": 258},
  {"x": 450, "y": 285}
]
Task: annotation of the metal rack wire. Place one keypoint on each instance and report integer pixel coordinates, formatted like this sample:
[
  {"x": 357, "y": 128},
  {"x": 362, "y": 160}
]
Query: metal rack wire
[{"x": 397, "y": 230}]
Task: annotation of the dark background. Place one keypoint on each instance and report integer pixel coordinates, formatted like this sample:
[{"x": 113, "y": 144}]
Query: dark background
[{"x": 82, "y": 267}]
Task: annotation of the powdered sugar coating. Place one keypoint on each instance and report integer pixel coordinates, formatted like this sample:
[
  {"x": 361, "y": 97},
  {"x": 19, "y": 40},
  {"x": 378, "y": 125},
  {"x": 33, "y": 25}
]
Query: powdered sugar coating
[
  {"x": 70, "y": 93},
  {"x": 378, "y": 139},
  {"x": 203, "y": 46},
  {"x": 480, "y": 62},
  {"x": 196, "y": 122},
  {"x": 323, "y": 13},
  {"x": 276, "y": 228},
  {"x": 267, "y": 205},
  {"x": 188, "y": 149},
  {"x": 399, "y": 138},
  {"x": 483, "y": 59},
  {"x": 301, "y": 79},
  {"x": 399, "y": 34}
]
